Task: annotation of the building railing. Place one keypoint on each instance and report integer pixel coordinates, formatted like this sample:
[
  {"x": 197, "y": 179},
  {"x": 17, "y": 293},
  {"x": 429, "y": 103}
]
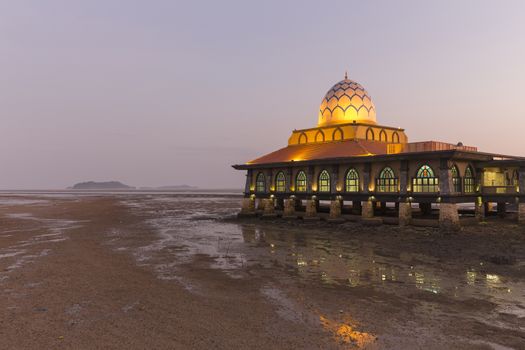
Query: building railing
[{"x": 499, "y": 189}]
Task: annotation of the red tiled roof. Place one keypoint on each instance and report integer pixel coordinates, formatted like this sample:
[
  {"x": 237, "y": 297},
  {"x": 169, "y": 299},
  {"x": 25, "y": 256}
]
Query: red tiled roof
[{"x": 326, "y": 150}]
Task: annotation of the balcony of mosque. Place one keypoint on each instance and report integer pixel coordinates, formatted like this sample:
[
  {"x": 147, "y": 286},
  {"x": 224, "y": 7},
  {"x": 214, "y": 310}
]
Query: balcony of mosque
[{"x": 503, "y": 190}]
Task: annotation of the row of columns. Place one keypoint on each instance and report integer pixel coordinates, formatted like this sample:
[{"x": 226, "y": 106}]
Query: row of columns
[{"x": 448, "y": 212}]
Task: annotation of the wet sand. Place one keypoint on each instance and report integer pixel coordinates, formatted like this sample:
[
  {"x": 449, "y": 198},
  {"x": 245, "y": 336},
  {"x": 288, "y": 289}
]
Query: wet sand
[{"x": 170, "y": 272}]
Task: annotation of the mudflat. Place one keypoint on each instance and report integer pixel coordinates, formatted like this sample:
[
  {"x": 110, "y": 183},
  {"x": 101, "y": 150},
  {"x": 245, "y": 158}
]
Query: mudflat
[{"x": 179, "y": 272}]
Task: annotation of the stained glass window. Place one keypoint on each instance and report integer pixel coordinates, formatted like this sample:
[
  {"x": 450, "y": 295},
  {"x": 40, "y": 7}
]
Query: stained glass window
[
  {"x": 469, "y": 181},
  {"x": 425, "y": 181},
  {"x": 260, "y": 183},
  {"x": 280, "y": 182},
  {"x": 300, "y": 182},
  {"x": 387, "y": 182},
  {"x": 456, "y": 179},
  {"x": 324, "y": 181},
  {"x": 352, "y": 181}
]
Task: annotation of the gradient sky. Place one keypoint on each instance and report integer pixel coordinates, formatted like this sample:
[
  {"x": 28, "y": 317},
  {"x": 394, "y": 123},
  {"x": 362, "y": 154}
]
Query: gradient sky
[{"x": 173, "y": 92}]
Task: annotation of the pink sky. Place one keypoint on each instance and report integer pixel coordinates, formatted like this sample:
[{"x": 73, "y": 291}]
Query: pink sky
[{"x": 167, "y": 92}]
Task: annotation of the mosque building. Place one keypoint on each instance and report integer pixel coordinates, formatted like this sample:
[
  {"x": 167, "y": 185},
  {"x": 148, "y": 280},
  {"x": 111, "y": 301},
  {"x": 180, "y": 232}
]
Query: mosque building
[{"x": 371, "y": 172}]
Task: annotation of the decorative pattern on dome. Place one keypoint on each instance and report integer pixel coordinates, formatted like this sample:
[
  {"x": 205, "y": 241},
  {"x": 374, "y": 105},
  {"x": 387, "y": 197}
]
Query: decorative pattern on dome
[{"x": 345, "y": 102}]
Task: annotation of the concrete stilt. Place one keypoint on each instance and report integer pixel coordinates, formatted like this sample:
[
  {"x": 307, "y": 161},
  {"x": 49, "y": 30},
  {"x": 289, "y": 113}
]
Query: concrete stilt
[
  {"x": 311, "y": 210},
  {"x": 448, "y": 215},
  {"x": 367, "y": 209},
  {"x": 479, "y": 209},
  {"x": 521, "y": 213},
  {"x": 261, "y": 202},
  {"x": 502, "y": 209},
  {"x": 335, "y": 211},
  {"x": 405, "y": 213},
  {"x": 248, "y": 207},
  {"x": 269, "y": 208},
  {"x": 289, "y": 208}
]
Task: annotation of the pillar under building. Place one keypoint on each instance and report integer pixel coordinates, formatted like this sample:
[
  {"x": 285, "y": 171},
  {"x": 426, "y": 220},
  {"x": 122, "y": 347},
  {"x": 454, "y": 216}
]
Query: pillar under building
[
  {"x": 311, "y": 209},
  {"x": 289, "y": 208},
  {"x": 479, "y": 209},
  {"x": 448, "y": 215},
  {"x": 367, "y": 209},
  {"x": 248, "y": 206},
  {"x": 335, "y": 209},
  {"x": 405, "y": 213}
]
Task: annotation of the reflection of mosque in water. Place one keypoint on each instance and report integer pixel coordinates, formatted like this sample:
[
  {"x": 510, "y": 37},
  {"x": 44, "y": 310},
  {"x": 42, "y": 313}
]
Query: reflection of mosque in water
[{"x": 335, "y": 260}]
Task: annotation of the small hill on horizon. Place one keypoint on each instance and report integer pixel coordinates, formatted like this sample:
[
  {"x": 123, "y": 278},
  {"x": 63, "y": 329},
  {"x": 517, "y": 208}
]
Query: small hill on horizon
[{"x": 105, "y": 185}]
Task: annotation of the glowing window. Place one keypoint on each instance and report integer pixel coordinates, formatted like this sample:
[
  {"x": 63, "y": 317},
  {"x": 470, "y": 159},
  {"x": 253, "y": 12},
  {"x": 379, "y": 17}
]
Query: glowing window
[
  {"x": 280, "y": 182},
  {"x": 516, "y": 178},
  {"x": 456, "y": 179},
  {"x": 387, "y": 182},
  {"x": 324, "y": 181},
  {"x": 469, "y": 181},
  {"x": 300, "y": 182},
  {"x": 260, "y": 183},
  {"x": 425, "y": 181},
  {"x": 352, "y": 181}
]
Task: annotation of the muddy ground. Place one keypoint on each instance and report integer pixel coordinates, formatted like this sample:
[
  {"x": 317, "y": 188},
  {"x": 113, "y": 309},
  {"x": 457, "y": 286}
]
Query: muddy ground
[{"x": 137, "y": 272}]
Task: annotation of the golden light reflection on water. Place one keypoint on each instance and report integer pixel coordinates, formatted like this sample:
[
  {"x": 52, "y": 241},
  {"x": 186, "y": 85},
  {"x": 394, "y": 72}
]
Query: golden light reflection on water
[
  {"x": 346, "y": 333},
  {"x": 346, "y": 263}
]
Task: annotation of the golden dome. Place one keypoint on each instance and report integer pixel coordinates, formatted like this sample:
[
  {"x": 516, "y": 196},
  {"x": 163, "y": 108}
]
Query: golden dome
[{"x": 346, "y": 102}]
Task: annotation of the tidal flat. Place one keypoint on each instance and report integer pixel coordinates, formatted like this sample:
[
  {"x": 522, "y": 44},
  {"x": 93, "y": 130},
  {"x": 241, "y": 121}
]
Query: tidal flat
[{"x": 180, "y": 271}]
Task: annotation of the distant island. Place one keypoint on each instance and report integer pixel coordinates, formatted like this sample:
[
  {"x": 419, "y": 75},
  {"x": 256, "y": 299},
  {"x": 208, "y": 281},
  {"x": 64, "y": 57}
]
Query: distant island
[{"x": 107, "y": 185}]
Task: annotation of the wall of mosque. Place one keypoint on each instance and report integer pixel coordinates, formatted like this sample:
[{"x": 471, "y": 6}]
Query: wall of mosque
[
  {"x": 348, "y": 132},
  {"x": 404, "y": 173}
]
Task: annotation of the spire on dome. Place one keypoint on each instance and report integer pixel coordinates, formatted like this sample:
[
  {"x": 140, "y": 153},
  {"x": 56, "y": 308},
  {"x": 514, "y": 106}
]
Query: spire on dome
[{"x": 346, "y": 74}]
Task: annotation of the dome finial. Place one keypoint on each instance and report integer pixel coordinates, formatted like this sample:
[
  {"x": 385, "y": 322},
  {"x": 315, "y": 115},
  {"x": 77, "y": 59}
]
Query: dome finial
[{"x": 346, "y": 74}]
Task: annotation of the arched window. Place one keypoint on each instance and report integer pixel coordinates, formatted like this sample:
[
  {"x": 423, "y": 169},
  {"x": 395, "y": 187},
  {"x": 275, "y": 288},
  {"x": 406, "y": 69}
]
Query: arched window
[
  {"x": 425, "y": 180},
  {"x": 319, "y": 137},
  {"x": 303, "y": 138},
  {"x": 395, "y": 137},
  {"x": 387, "y": 182},
  {"x": 337, "y": 135},
  {"x": 280, "y": 182},
  {"x": 382, "y": 136},
  {"x": 370, "y": 134},
  {"x": 456, "y": 179},
  {"x": 469, "y": 181},
  {"x": 300, "y": 182},
  {"x": 515, "y": 178},
  {"x": 260, "y": 183},
  {"x": 324, "y": 181},
  {"x": 352, "y": 181}
]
